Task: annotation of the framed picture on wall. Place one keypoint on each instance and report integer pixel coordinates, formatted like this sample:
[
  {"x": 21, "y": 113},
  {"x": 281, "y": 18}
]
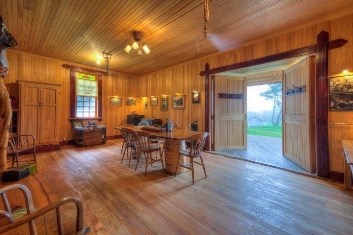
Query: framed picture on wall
[
  {"x": 116, "y": 101},
  {"x": 342, "y": 84},
  {"x": 196, "y": 97},
  {"x": 341, "y": 102},
  {"x": 154, "y": 101},
  {"x": 164, "y": 103},
  {"x": 130, "y": 101},
  {"x": 178, "y": 101}
]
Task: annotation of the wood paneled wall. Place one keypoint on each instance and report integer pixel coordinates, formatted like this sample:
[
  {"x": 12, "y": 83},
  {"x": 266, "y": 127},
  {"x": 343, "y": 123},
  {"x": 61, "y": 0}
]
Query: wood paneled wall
[
  {"x": 24, "y": 66},
  {"x": 184, "y": 77}
]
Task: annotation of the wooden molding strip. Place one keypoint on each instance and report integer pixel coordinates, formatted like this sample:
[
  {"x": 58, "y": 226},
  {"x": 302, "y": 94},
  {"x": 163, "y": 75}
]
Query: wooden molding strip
[
  {"x": 230, "y": 96},
  {"x": 276, "y": 57},
  {"x": 68, "y": 66}
]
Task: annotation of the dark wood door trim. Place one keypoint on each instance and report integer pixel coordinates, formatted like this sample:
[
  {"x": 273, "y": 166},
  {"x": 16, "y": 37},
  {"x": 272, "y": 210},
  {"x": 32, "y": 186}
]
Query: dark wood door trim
[
  {"x": 313, "y": 49},
  {"x": 207, "y": 107},
  {"x": 322, "y": 147},
  {"x": 321, "y": 51}
]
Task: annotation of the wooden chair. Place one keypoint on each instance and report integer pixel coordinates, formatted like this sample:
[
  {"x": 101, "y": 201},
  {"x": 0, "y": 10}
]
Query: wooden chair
[
  {"x": 19, "y": 216},
  {"x": 197, "y": 144},
  {"x": 122, "y": 134},
  {"x": 20, "y": 144},
  {"x": 130, "y": 143},
  {"x": 147, "y": 148}
]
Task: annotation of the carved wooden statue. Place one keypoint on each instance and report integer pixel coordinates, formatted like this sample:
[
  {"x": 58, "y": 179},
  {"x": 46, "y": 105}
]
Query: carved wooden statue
[{"x": 6, "y": 41}]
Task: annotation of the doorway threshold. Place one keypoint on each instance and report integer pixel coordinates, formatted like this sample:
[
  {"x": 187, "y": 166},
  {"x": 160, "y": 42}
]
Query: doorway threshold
[{"x": 266, "y": 151}]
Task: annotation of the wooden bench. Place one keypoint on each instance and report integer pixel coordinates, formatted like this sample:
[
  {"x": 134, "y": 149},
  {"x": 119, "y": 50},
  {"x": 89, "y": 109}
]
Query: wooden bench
[{"x": 348, "y": 163}]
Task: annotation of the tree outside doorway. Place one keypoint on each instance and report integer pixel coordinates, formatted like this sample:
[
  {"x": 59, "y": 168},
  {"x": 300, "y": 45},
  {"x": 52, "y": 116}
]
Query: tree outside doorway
[{"x": 265, "y": 110}]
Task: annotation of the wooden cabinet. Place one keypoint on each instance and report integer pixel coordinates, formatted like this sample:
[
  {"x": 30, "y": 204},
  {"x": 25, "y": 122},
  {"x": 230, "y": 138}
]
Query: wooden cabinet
[{"x": 38, "y": 111}]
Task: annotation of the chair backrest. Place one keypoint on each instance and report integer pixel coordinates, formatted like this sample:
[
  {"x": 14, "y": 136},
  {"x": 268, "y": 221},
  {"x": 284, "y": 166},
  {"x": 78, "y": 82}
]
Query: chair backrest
[
  {"x": 197, "y": 143},
  {"x": 157, "y": 122},
  {"x": 129, "y": 136},
  {"x": 144, "y": 140}
]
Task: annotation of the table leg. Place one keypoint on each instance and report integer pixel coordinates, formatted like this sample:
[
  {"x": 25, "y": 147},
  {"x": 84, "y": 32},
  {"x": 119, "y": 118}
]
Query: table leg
[{"x": 171, "y": 154}]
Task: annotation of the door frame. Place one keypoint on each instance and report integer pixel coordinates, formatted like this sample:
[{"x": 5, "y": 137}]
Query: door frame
[{"x": 320, "y": 49}]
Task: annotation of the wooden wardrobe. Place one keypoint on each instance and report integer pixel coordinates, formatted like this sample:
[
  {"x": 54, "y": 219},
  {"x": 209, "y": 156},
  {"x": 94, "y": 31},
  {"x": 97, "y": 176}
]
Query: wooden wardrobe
[{"x": 38, "y": 109}]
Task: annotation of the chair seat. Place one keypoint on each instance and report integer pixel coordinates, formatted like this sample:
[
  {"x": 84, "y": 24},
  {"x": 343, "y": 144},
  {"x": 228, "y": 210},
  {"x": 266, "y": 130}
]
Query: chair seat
[
  {"x": 150, "y": 149},
  {"x": 186, "y": 152}
]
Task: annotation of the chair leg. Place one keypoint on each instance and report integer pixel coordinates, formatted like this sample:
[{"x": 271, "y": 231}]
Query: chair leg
[
  {"x": 138, "y": 160},
  {"x": 17, "y": 160},
  {"x": 203, "y": 166},
  {"x": 177, "y": 165},
  {"x": 34, "y": 155},
  {"x": 122, "y": 159},
  {"x": 131, "y": 152},
  {"x": 146, "y": 162},
  {"x": 122, "y": 147},
  {"x": 13, "y": 161},
  {"x": 192, "y": 168}
]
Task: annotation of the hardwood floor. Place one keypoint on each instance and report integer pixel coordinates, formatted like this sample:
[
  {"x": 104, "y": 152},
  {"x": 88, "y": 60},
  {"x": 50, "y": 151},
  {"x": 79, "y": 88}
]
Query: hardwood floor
[{"x": 238, "y": 197}]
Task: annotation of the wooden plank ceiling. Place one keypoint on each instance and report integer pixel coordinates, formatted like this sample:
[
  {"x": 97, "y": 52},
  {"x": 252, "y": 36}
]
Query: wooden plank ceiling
[{"x": 78, "y": 31}]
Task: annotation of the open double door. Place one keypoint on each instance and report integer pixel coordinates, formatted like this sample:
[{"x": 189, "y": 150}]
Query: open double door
[{"x": 229, "y": 119}]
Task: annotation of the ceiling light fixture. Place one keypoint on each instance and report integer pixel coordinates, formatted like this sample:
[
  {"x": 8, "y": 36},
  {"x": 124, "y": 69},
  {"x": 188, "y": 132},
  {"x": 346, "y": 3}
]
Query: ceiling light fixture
[
  {"x": 107, "y": 57},
  {"x": 136, "y": 45}
]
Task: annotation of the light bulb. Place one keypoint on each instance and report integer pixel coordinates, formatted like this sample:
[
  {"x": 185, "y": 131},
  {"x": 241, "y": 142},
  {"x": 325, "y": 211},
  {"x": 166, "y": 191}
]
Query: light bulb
[
  {"x": 98, "y": 62},
  {"x": 128, "y": 48},
  {"x": 146, "y": 49},
  {"x": 135, "y": 45},
  {"x": 139, "y": 52}
]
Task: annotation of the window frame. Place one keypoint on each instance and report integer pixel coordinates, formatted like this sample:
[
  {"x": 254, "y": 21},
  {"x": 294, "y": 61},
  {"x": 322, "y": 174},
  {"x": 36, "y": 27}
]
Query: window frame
[{"x": 99, "y": 75}]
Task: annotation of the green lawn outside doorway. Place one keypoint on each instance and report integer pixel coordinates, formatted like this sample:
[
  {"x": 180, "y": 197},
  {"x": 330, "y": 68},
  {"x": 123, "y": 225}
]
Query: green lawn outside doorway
[{"x": 271, "y": 131}]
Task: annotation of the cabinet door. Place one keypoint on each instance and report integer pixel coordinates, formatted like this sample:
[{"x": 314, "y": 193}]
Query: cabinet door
[
  {"x": 29, "y": 109},
  {"x": 48, "y": 114}
]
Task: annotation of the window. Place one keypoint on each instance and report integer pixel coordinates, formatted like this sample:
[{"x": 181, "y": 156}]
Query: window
[
  {"x": 85, "y": 93},
  {"x": 86, "y": 106}
]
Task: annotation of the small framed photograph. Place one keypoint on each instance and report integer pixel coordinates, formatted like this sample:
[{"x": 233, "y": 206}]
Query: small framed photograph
[
  {"x": 130, "y": 101},
  {"x": 116, "y": 101},
  {"x": 196, "y": 97},
  {"x": 178, "y": 102},
  {"x": 341, "y": 102},
  {"x": 343, "y": 84},
  {"x": 154, "y": 101},
  {"x": 164, "y": 103},
  {"x": 146, "y": 105}
]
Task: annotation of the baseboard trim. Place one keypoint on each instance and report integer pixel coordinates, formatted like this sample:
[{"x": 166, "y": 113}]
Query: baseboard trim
[
  {"x": 113, "y": 137},
  {"x": 47, "y": 148},
  {"x": 337, "y": 176}
]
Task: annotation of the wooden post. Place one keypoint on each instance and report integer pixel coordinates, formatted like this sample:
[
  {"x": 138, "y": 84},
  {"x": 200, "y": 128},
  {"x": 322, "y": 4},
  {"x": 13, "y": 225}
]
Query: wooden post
[
  {"x": 322, "y": 149},
  {"x": 5, "y": 119},
  {"x": 5, "y": 105},
  {"x": 207, "y": 106}
]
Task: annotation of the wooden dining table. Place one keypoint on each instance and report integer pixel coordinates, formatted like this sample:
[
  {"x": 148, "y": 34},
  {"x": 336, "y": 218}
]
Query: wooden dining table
[{"x": 174, "y": 142}]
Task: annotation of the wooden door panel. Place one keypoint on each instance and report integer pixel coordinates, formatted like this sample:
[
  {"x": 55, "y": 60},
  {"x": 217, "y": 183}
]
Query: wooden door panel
[
  {"x": 297, "y": 117},
  {"x": 48, "y": 95},
  {"x": 230, "y": 114},
  {"x": 47, "y": 124},
  {"x": 29, "y": 120},
  {"x": 29, "y": 95}
]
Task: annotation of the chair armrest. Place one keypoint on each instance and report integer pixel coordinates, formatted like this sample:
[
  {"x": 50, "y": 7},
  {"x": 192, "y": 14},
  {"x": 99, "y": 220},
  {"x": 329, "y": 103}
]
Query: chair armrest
[{"x": 80, "y": 229}]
